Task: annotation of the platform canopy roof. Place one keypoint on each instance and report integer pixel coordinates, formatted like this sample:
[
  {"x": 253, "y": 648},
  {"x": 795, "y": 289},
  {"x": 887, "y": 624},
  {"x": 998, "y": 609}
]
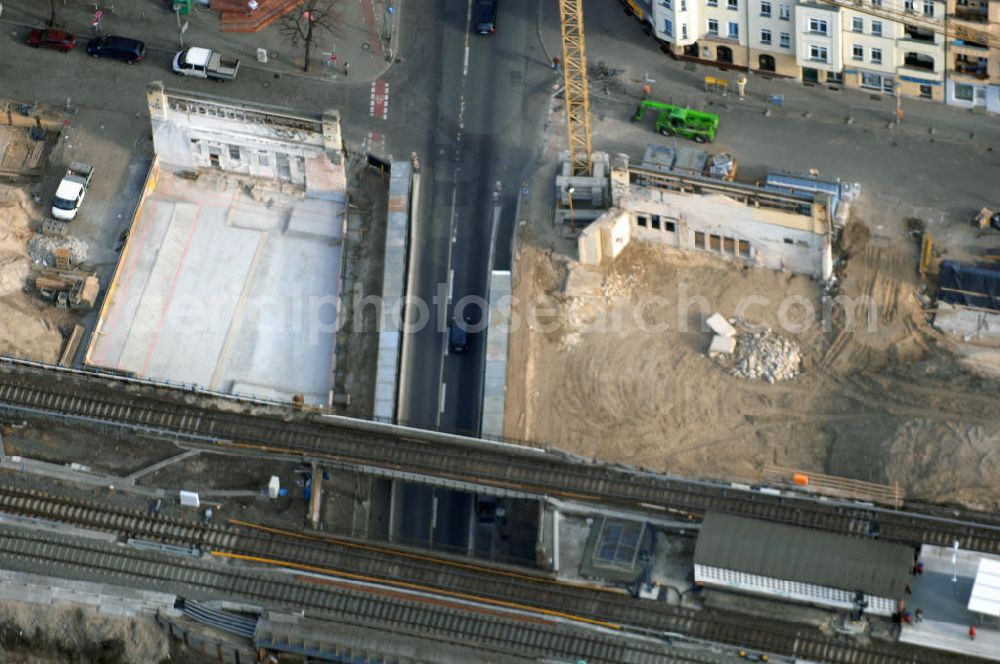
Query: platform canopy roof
[
  {"x": 985, "y": 597},
  {"x": 805, "y": 555}
]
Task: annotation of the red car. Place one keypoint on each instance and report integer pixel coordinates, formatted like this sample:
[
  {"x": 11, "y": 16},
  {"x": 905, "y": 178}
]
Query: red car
[{"x": 58, "y": 40}]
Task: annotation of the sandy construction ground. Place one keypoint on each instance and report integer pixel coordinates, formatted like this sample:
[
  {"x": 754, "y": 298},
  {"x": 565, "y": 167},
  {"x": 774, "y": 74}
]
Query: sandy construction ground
[
  {"x": 893, "y": 404},
  {"x": 887, "y": 406}
]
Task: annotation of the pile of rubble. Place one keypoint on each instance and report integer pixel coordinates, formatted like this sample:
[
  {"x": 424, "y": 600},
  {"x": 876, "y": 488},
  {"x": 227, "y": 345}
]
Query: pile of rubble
[
  {"x": 41, "y": 248},
  {"x": 767, "y": 356},
  {"x": 753, "y": 352},
  {"x": 621, "y": 285}
]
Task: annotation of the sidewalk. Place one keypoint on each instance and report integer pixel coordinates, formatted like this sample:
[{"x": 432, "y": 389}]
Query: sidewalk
[
  {"x": 618, "y": 42},
  {"x": 365, "y": 34}
]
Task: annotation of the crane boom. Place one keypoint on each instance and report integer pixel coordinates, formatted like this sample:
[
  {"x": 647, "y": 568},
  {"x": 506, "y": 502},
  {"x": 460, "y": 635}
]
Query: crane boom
[{"x": 577, "y": 93}]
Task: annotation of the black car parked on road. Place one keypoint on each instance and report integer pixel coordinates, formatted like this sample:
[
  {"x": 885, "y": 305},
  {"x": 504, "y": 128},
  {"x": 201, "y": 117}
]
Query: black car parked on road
[{"x": 118, "y": 48}]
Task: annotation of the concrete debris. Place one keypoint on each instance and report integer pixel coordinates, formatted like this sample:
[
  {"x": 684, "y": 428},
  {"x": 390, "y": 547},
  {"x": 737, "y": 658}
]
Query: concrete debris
[
  {"x": 718, "y": 324},
  {"x": 619, "y": 285},
  {"x": 764, "y": 355},
  {"x": 41, "y": 247},
  {"x": 721, "y": 345}
]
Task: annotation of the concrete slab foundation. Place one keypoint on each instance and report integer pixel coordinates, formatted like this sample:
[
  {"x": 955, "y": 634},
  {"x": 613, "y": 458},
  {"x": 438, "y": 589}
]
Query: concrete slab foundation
[{"x": 230, "y": 286}]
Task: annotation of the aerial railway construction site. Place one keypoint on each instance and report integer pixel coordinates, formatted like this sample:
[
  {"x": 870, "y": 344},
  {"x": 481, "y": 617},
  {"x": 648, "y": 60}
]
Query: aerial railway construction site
[{"x": 144, "y": 406}]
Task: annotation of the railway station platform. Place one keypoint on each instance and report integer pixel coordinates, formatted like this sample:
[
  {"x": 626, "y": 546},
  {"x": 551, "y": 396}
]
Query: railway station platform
[{"x": 944, "y": 602}]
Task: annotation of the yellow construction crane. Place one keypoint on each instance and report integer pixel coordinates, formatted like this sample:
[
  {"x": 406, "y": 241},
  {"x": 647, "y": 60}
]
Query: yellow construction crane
[{"x": 577, "y": 95}]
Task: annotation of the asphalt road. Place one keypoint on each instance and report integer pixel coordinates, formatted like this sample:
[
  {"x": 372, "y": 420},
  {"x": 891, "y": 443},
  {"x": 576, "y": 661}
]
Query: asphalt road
[
  {"x": 484, "y": 97},
  {"x": 471, "y": 106}
]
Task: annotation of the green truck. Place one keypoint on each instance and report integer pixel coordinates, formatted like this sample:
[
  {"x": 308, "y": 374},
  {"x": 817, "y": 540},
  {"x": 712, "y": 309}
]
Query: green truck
[{"x": 685, "y": 122}]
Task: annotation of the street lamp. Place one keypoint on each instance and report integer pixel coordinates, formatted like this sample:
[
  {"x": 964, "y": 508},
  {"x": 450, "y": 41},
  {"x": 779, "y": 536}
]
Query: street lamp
[{"x": 572, "y": 222}]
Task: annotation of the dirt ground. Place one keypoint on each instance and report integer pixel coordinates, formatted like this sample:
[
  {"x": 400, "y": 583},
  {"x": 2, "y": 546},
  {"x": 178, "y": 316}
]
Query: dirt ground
[
  {"x": 357, "y": 339},
  {"x": 888, "y": 405},
  {"x": 29, "y": 327},
  {"x": 37, "y": 633}
]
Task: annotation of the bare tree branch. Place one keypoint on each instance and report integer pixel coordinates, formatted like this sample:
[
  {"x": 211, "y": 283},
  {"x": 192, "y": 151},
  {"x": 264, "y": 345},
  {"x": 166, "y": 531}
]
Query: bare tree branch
[{"x": 303, "y": 24}]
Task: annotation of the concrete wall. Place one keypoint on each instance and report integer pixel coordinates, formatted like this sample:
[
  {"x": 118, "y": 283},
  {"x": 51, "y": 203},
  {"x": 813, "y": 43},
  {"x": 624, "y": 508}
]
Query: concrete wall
[
  {"x": 606, "y": 237},
  {"x": 192, "y": 132},
  {"x": 762, "y": 237},
  {"x": 390, "y": 337}
]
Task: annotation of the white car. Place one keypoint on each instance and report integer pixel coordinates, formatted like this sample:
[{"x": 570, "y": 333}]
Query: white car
[{"x": 72, "y": 189}]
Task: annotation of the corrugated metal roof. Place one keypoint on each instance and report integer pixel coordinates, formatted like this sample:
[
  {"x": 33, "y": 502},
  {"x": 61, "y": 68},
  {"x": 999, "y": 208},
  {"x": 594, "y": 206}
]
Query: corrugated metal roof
[
  {"x": 805, "y": 555},
  {"x": 985, "y": 596}
]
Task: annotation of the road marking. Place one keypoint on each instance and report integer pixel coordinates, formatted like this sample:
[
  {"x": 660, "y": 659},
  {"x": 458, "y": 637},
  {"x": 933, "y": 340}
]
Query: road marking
[
  {"x": 378, "y": 103},
  {"x": 451, "y": 286},
  {"x": 444, "y": 390},
  {"x": 453, "y": 228}
]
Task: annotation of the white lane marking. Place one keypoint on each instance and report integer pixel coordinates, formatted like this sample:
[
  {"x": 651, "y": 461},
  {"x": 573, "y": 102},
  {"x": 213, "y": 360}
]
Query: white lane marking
[
  {"x": 465, "y": 64},
  {"x": 451, "y": 286},
  {"x": 444, "y": 390}
]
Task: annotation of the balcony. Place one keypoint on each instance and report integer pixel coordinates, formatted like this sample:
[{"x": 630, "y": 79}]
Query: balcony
[
  {"x": 918, "y": 61},
  {"x": 914, "y": 33},
  {"x": 977, "y": 70},
  {"x": 972, "y": 14}
]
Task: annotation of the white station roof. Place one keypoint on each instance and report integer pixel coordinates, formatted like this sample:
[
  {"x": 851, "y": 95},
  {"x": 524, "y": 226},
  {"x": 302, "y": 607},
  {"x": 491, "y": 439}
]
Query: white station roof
[{"x": 985, "y": 596}]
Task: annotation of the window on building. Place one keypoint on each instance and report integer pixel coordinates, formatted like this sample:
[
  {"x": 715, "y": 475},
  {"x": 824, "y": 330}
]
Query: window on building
[
  {"x": 789, "y": 240},
  {"x": 262, "y": 159},
  {"x": 284, "y": 167},
  {"x": 715, "y": 242},
  {"x": 654, "y": 221},
  {"x": 729, "y": 245},
  {"x": 684, "y": 6},
  {"x": 642, "y": 220},
  {"x": 876, "y": 3},
  {"x": 765, "y": 36},
  {"x": 684, "y": 30},
  {"x": 668, "y": 27},
  {"x": 785, "y": 12},
  {"x": 817, "y": 25},
  {"x": 876, "y": 56},
  {"x": 744, "y": 249},
  {"x": 734, "y": 30},
  {"x": 926, "y": 92},
  {"x": 928, "y": 7},
  {"x": 765, "y": 8},
  {"x": 817, "y": 52},
  {"x": 670, "y": 225},
  {"x": 699, "y": 240},
  {"x": 733, "y": 4},
  {"x": 713, "y": 3},
  {"x": 964, "y": 92},
  {"x": 835, "y": 77},
  {"x": 234, "y": 152},
  {"x": 858, "y": 24},
  {"x": 858, "y": 51},
  {"x": 876, "y": 28},
  {"x": 668, "y": 4},
  {"x": 713, "y": 26},
  {"x": 908, "y": 5},
  {"x": 786, "y": 40}
]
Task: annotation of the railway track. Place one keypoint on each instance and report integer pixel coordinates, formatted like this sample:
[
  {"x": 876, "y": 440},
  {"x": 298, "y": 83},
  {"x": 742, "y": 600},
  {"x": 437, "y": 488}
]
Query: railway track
[
  {"x": 80, "y": 396},
  {"x": 51, "y": 554},
  {"x": 462, "y": 581}
]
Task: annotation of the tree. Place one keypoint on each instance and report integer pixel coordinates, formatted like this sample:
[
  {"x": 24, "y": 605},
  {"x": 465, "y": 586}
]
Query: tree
[{"x": 302, "y": 25}]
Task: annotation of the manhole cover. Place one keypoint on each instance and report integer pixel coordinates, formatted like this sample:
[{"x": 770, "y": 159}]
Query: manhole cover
[
  {"x": 265, "y": 84},
  {"x": 366, "y": 46}
]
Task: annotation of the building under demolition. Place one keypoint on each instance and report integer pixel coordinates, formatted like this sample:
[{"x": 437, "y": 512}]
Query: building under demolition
[{"x": 230, "y": 275}]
